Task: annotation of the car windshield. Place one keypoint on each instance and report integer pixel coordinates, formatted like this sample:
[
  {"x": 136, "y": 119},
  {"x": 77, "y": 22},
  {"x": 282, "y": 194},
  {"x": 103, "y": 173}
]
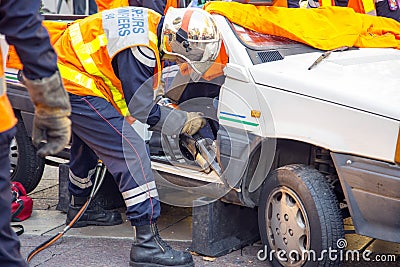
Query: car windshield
[{"x": 259, "y": 41}]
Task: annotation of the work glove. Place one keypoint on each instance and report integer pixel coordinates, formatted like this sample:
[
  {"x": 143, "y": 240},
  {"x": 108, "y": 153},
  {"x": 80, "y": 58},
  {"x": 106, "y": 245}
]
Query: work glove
[
  {"x": 194, "y": 122},
  {"x": 52, "y": 108},
  {"x": 175, "y": 122}
]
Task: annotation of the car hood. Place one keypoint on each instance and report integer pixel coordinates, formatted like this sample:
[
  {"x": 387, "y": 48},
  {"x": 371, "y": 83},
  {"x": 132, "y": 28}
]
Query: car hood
[{"x": 367, "y": 79}]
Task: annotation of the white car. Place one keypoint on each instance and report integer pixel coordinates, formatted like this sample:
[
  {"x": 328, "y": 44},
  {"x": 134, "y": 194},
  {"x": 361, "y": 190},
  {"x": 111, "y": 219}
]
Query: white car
[
  {"x": 308, "y": 147},
  {"x": 303, "y": 146}
]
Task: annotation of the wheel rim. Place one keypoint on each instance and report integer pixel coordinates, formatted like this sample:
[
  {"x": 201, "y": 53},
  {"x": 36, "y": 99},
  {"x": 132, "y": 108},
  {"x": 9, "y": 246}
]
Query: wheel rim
[
  {"x": 288, "y": 226},
  {"x": 13, "y": 155}
]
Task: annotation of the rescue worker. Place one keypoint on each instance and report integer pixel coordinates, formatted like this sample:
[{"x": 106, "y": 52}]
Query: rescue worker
[
  {"x": 156, "y": 5},
  {"x": 110, "y": 63},
  {"x": 79, "y": 7},
  {"x": 383, "y": 8},
  {"x": 359, "y": 6},
  {"x": 20, "y": 22}
]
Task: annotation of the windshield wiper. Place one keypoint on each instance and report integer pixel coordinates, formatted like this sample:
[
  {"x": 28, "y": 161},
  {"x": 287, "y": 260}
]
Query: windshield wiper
[{"x": 326, "y": 54}]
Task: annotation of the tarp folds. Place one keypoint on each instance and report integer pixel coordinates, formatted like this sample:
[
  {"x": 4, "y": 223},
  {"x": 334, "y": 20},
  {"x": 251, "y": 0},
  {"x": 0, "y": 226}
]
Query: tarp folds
[{"x": 324, "y": 28}]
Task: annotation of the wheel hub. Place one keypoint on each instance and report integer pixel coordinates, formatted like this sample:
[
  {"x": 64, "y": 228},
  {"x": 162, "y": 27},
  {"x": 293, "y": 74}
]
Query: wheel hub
[
  {"x": 13, "y": 155},
  {"x": 283, "y": 228},
  {"x": 287, "y": 226}
]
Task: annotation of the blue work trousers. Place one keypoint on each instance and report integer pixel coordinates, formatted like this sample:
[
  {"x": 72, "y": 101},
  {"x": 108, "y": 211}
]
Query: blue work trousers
[
  {"x": 100, "y": 132},
  {"x": 9, "y": 243}
]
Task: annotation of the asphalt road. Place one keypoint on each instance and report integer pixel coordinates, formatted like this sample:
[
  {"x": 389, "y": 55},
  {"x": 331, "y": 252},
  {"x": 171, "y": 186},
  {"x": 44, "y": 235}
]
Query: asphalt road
[
  {"x": 90, "y": 250},
  {"x": 96, "y": 252}
]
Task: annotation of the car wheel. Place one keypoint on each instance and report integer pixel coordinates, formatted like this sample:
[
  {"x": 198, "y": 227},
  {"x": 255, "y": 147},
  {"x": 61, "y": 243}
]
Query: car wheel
[
  {"x": 26, "y": 167},
  {"x": 299, "y": 215}
]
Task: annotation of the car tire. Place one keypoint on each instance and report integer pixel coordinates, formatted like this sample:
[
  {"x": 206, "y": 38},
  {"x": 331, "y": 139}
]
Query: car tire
[
  {"x": 299, "y": 212},
  {"x": 26, "y": 167}
]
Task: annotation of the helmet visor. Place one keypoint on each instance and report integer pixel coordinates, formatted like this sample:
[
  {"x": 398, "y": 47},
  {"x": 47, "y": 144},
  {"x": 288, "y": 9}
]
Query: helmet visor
[{"x": 192, "y": 35}]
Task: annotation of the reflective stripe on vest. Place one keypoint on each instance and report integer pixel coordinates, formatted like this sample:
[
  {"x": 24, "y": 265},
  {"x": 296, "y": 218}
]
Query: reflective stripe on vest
[
  {"x": 79, "y": 78},
  {"x": 153, "y": 38},
  {"x": 359, "y": 6},
  {"x": 83, "y": 52},
  {"x": 326, "y": 2},
  {"x": 363, "y": 6},
  {"x": 369, "y": 7}
]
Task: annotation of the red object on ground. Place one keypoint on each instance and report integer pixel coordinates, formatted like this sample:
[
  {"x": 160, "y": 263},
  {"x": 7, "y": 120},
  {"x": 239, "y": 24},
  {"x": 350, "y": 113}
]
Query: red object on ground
[{"x": 21, "y": 206}]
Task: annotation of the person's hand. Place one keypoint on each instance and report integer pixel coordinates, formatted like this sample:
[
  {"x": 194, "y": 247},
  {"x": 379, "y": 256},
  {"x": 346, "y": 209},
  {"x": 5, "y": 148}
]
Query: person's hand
[
  {"x": 52, "y": 108},
  {"x": 174, "y": 122},
  {"x": 194, "y": 122}
]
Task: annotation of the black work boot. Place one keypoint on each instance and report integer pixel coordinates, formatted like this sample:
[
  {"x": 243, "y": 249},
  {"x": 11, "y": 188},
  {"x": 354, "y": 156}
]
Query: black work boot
[
  {"x": 149, "y": 250},
  {"x": 94, "y": 214}
]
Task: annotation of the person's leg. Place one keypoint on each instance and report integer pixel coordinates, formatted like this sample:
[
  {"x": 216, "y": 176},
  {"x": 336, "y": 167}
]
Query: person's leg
[
  {"x": 342, "y": 2},
  {"x": 98, "y": 124},
  {"x": 82, "y": 167},
  {"x": 123, "y": 151},
  {"x": 79, "y": 7},
  {"x": 293, "y": 3},
  {"x": 9, "y": 243},
  {"x": 92, "y": 7}
]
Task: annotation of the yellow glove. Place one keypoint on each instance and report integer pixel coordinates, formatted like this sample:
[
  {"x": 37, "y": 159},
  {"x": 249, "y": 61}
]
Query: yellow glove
[{"x": 194, "y": 122}]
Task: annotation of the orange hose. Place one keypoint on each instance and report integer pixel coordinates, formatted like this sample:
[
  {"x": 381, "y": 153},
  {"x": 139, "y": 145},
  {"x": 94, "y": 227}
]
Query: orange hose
[{"x": 59, "y": 235}]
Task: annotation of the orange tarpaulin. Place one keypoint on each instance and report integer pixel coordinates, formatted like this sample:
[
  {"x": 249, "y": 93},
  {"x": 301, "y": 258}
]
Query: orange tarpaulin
[{"x": 323, "y": 28}]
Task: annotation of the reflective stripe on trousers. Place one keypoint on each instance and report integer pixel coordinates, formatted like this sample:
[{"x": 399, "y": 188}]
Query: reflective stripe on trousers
[{"x": 98, "y": 130}]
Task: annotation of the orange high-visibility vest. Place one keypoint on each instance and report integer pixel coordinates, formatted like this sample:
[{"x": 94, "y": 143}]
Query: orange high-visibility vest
[
  {"x": 7, "y": 118},
  {"x": 359, "y": 6},
  {"x": 363, "y": 6},
  {"x": 216, "y": 69},
  {"x": 55, "y": 29},
  {"x": 110, "y": 4},
  {"x": 86, "y": 48},
  {"x": 326, "y": 2},
  {"x": 281, "y": 3},
  {"x": 170, "y": 3}
]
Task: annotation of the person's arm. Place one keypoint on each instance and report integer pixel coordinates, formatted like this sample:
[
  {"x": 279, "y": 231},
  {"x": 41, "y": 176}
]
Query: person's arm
[
  {"x": 135, "y": 69},
  {"x": 136, "y": 76},
  {"x": 21, "y": 23}
]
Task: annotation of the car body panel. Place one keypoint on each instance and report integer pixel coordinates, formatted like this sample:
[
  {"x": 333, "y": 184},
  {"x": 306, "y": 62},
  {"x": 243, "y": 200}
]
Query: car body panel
[{"x": 366, "y": 79}]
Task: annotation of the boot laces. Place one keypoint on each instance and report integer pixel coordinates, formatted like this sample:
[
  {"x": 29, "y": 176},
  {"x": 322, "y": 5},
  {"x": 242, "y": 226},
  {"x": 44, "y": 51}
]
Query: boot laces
[{"x": 157, "y": 236}]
